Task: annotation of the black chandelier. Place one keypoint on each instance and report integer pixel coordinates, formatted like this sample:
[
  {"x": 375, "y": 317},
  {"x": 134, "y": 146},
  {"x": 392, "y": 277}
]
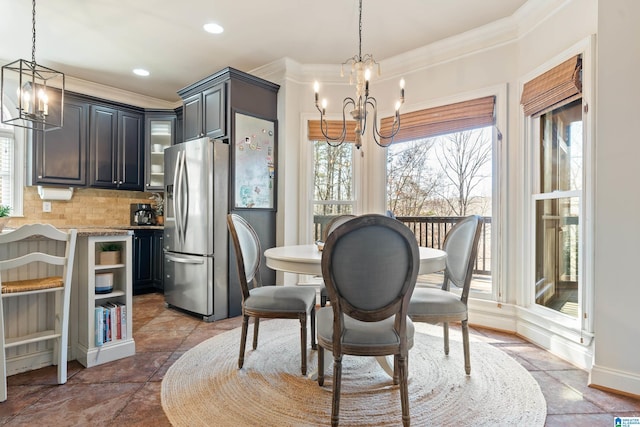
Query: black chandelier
[
  {"x": 360, "y": 67},
  {"x": 34, "y": 86}
]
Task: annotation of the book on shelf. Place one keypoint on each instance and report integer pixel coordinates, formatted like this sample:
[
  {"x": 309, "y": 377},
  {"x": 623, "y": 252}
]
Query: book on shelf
[
  {"x": 123, "y": 320},
  {"x": 114, "y": 317},
  {"x": 110, "y": 323},
  {"x": 99, "y": 326},
  {"x": 107, "y": 324}
]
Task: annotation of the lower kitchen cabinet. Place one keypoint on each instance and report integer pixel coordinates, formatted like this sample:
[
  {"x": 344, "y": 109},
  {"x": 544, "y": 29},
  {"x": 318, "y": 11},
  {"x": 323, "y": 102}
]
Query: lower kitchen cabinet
[
  {"x": 147, "y": 261},
  {"x": 158, "y": 260}
]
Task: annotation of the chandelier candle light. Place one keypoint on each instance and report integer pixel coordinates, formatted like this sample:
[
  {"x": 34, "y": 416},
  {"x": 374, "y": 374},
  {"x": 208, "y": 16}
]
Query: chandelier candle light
[
  {"x": 33, "y": 85},
  {"x": 360, "y": 66}
]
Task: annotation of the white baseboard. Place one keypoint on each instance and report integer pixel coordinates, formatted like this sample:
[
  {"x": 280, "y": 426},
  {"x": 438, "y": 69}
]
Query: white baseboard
[
  {"x": 559, "y": 341},
  {"x": 613, "y": 379},
  {"x": 29, "y": 362},
  {"x": 567, "y": 349}
]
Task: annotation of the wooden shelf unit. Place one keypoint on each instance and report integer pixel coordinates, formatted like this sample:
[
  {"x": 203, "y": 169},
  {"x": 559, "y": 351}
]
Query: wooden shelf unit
[{"x": 88, "y": 354}]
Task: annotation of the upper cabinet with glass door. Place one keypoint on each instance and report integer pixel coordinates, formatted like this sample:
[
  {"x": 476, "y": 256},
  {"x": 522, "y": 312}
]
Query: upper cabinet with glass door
[{"x": 160, "y": 134}]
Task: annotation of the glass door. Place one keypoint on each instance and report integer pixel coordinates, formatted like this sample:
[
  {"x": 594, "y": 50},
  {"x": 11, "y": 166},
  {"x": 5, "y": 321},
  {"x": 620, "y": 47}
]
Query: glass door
[
  {"x": 557, "y": 205},
  {"x": 160, "y": 134}
]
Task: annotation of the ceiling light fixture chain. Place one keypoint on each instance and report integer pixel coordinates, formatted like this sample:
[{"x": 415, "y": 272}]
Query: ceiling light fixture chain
[
  {"x": 359, "y": 32},
  {"x": 361, "y": 67},
  {"x": 33, "y": 32}
]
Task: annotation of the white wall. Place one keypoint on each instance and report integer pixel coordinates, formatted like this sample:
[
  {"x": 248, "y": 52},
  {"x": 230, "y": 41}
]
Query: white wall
[{"x": 617, "y": 235}]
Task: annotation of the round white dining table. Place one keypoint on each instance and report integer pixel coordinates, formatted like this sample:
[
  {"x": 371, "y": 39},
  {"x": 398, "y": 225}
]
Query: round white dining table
[{"x": 306, "y": 259}]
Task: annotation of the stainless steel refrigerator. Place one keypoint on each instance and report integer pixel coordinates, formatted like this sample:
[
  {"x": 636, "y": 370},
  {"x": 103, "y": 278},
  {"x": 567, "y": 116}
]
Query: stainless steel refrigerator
[{"x": 196, "y": 186}]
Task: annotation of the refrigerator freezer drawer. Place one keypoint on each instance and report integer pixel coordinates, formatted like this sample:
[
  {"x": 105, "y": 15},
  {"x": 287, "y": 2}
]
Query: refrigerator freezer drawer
[{"x": 189, "y": 285}]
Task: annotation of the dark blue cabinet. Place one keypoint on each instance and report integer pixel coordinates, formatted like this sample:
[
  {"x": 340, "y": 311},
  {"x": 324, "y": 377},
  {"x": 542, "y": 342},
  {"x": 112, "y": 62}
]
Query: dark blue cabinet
[
  {"x": 147, "y": 261},
  {"x": 205, "y": 113},
  {"x": 116, "y": 145},
  {"x": 59, "y": 156}
]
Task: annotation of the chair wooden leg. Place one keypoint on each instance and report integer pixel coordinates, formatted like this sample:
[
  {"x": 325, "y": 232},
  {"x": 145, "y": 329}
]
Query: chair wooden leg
[
  {"x": 404, "y": 389},
  {"x": 396, "y": 373},
  {"x": 60, "y": 345},
  {"x": 465, "y": 345},
  {"x": 61, "y": 351},
  {"x": 303, "y": 342},
  {"x": 445, "y": 329},
  {"x": 337, "y": 378},
  {"x": 320, "y": 365},
  {"x": 3, "y": 358},
  {"x": 243, "y": 340},
  {"x": 314, "y": 345},
  {"x": 3, "y": 368},
  {"x": 256, "y": 326}
]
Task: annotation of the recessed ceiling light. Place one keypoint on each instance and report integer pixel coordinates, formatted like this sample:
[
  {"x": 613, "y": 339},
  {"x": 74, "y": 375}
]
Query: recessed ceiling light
[
  {"x": 141, "y": 72},
  {"x": 213, "y": 28}
]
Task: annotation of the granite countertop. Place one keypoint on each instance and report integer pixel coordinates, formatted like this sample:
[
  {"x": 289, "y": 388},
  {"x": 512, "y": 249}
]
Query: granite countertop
[
  {"x": 143, "y": 227},
  {"x": 89, "y": 231},
  {"x": 114, "y": 230}
]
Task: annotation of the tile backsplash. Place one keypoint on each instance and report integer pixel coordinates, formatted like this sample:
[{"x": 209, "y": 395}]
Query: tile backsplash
[{"x": 88, "y": 207}]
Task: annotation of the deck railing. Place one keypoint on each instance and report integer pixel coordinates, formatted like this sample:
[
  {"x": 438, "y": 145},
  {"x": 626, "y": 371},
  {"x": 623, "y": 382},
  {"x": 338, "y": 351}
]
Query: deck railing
[{"x": 430, "y": 231}]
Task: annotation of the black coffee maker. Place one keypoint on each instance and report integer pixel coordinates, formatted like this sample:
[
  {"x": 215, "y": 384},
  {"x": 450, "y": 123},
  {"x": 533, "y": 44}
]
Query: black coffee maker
[{"x": 142, "y": 214}]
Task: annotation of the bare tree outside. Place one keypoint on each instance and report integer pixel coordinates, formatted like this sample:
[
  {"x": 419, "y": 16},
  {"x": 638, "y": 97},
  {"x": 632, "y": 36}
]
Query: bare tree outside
[
  {"x": 333, "y": 182},
  {"x": 448, "y": 175},
  {"x": 464, "y": 158},
  {"x": 411, "y": 182}
]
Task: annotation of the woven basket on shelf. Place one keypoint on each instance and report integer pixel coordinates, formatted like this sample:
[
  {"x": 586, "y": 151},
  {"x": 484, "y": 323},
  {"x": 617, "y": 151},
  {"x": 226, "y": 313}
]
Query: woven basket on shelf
[{"x": 109, "y": 257}]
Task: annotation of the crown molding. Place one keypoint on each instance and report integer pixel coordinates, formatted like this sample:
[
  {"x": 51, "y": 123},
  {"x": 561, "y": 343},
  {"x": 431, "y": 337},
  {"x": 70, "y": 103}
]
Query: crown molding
[
  {"x": 111, "y": 93},
  {"x": 287, "y": 69},
  {"x": 533, "y": 13}
]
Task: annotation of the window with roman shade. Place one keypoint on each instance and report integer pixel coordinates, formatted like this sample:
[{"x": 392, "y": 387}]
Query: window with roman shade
[
  {"x": 554, "y": 88},
  {"x": 334, "y": 169},
  {"x": 430, "y": 122}
]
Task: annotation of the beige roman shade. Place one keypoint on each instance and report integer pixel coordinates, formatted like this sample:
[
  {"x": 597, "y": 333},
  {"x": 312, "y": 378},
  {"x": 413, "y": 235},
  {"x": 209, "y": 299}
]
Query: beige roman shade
[
  {"x": 441, "y": 120},
  {"x": 335, "y": 129},
  {"x": 559, "y": 85}
]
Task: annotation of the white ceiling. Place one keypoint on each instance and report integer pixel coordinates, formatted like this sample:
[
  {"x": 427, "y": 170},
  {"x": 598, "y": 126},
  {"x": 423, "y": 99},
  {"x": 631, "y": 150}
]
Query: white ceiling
[{"x": 104, "y": 40}]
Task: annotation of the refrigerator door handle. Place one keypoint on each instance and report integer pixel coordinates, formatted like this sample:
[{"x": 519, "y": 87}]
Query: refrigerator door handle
[
  {"x": 184, "y": 260},
  {"x": 184, "y": 197},
  {"x": 176, "y": 195},
  {"x": 180, "y": 215}
]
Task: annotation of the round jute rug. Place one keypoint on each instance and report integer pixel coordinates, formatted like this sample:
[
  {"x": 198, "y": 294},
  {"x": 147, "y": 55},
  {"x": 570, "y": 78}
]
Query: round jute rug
[{"x": 205, "y": 388}]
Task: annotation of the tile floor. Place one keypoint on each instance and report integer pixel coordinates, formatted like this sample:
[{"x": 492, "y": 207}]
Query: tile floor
[{"x": 127, "y": 392}]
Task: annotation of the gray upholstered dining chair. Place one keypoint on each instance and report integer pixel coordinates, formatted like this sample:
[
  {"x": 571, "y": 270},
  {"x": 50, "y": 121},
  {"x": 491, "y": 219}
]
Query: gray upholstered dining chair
[
  {"x": 281, "y": 302},
  {"x": 369, "y": 265},
  {"x": 439, "y": 305},
  {"x": 331, "y": 225}
]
